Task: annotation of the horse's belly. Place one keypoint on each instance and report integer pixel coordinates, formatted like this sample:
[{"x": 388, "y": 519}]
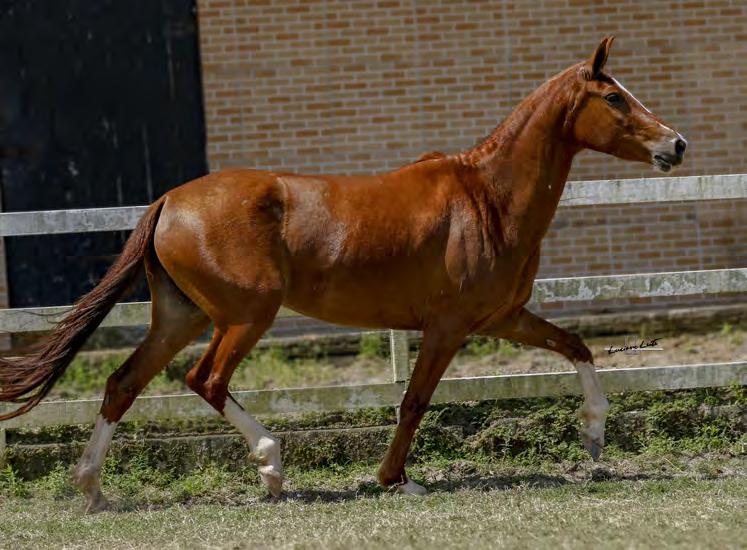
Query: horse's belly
[{"x": 356, "y": 301}]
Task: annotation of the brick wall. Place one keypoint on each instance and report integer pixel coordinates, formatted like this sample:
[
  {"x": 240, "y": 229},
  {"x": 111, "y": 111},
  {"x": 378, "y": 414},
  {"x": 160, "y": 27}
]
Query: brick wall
[{"x": 363, "y": 86}]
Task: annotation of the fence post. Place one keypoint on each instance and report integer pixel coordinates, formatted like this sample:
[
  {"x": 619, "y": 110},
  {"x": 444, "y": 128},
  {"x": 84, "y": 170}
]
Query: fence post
[
  {"x": 3, "y": 445},
  {"x": 400, "y": 351}
]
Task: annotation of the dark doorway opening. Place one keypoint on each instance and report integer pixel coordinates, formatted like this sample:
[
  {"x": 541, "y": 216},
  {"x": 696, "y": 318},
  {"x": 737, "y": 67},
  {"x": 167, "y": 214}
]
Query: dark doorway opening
[{"x": 100, "y": 105}]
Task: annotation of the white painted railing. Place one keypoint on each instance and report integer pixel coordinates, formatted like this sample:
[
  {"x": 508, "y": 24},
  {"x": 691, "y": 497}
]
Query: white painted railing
[
  {"x": 577, "y": 193},
  {"x": 331, "y": 398},
  {"x": 566, "y": 289},
  {"x": 377, "y": 395}
]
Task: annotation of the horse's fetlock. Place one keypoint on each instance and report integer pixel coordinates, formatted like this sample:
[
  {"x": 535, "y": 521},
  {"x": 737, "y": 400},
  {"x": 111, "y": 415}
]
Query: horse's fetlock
[
  {"x": 604, "y": 405},
  {"x": 267, "y": 450},
  {"x": 388, "y": 477},
  {"x": 595, "y": 409},
  {"x": 86, "y": 478}
]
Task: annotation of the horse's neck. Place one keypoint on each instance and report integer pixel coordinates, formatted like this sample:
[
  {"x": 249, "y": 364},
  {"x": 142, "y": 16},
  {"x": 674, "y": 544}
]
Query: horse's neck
[{"x": 525, "y": 163}]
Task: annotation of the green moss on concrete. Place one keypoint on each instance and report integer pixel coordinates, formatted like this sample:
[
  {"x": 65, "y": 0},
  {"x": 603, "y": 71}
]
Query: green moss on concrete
[{"x": 529, "y": 430}]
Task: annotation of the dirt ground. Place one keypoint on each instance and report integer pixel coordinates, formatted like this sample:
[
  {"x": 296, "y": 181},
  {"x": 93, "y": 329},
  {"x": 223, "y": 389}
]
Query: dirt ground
[
  {"x": 726, "y": 345},
  {"x": 271, "y": 368},
  {"x": 490, "y": 357}
]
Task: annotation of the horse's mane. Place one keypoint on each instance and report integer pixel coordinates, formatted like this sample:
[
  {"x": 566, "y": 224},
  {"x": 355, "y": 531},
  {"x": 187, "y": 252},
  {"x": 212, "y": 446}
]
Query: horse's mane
[{"x": 432, "y": 155}]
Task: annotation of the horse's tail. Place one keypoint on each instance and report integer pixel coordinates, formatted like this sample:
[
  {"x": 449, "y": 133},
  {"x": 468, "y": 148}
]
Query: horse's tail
[{"x": 28, "y": 379}]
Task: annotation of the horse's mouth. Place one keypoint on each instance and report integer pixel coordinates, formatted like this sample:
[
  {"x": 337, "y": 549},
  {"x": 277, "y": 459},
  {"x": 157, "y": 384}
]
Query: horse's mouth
[{"x": 665, "y": 162}]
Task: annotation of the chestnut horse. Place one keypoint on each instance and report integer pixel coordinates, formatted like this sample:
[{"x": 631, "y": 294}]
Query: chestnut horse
[{"x": 448, "y": 245}]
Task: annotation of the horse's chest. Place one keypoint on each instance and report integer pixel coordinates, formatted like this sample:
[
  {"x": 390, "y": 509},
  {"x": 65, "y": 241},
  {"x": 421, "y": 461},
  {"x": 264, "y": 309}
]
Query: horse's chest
[{"x": 502, "y": 283}]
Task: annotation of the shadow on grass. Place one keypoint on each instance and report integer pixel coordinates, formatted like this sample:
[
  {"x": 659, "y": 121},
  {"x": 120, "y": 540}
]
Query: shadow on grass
[
  {"x": 473, "y": 482},
  {"x": 434, "y": 479}
]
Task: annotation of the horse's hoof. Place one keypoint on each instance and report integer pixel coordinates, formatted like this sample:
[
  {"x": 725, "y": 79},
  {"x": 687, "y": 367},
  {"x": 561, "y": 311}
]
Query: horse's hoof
[
  {"x": 96, "y": 505},
  {"x": 273, "y": 480},
  {"x": 595, "y": 448},
  {"x": 411, "y": 488}
]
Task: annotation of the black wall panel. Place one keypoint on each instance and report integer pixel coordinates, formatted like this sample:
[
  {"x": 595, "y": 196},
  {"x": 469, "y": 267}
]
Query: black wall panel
[{"x": 100, "y": 105}]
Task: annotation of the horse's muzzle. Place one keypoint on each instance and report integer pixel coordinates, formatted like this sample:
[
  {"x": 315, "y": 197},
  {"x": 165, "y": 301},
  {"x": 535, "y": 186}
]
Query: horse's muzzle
[{"x": 665, "y": 160}]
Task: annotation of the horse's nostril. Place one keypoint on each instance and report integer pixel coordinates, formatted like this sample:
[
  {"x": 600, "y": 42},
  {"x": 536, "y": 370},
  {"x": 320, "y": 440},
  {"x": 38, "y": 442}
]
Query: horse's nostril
[{"x": 679, "y": 146}]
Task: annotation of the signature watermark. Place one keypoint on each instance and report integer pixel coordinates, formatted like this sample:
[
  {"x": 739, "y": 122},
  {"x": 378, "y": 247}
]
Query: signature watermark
[{"x": 634, "y": 346}]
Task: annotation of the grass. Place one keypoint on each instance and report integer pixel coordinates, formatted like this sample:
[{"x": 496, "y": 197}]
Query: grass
[
  {"x": 262, "y": 369},
  {"x": 676, "y": 477},
  {"x": 502, "y": 474},
  {"x": 472, "y": 507},
  {"x": 529, "y": 431},
  {"x": 480, "y": 346},
  {"x": 372, "y": 345}
]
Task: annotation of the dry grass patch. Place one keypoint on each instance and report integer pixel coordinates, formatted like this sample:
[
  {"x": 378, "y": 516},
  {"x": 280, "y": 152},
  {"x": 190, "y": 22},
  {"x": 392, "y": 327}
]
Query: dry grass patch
[{"x": 683, "y": 513}]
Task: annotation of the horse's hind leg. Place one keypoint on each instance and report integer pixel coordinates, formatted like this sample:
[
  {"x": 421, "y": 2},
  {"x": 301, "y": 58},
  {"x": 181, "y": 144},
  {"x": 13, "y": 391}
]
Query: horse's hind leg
[
  {"x": 176, "y": 321},
  {"x": 210, "y": 377}
]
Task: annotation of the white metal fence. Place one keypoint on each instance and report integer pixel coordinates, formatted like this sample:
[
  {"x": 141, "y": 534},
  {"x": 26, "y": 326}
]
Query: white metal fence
[{"x": 679, "y": 283}]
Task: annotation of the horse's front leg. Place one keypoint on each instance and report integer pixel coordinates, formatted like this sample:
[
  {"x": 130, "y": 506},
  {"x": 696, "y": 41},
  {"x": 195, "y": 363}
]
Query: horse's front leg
[
  {"x": 526, "y": 328},
  {"x": 436, "y": 351}
]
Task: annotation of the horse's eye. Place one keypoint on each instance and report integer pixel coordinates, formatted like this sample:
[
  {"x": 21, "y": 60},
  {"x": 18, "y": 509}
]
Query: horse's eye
[{"x": 613, "y": 99}]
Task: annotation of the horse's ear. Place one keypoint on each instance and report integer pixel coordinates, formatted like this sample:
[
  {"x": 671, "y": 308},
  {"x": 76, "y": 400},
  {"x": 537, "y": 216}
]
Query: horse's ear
[{"x": 596, "y": 62}]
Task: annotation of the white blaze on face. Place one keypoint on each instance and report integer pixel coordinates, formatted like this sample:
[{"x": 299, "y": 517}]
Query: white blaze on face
[
  {"x": 626, "y": 91},
  {"x": 665, "y": 142}
]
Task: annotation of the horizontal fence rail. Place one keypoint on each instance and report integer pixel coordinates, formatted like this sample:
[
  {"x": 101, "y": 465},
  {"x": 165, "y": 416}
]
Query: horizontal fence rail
[
  {"x": 640, "y": 285},
  {"x": 601, "y": 287},
  {"x": 334, "y": 398},
  {"x": 49, "y": 222},
  {"x": 577, "y": 193},
  {"x": 626, "y": 191},
  {"x": 131, "y": 314}
]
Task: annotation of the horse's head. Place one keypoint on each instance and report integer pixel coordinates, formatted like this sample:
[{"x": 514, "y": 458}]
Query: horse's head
[{"x": 606, "y": 117}]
